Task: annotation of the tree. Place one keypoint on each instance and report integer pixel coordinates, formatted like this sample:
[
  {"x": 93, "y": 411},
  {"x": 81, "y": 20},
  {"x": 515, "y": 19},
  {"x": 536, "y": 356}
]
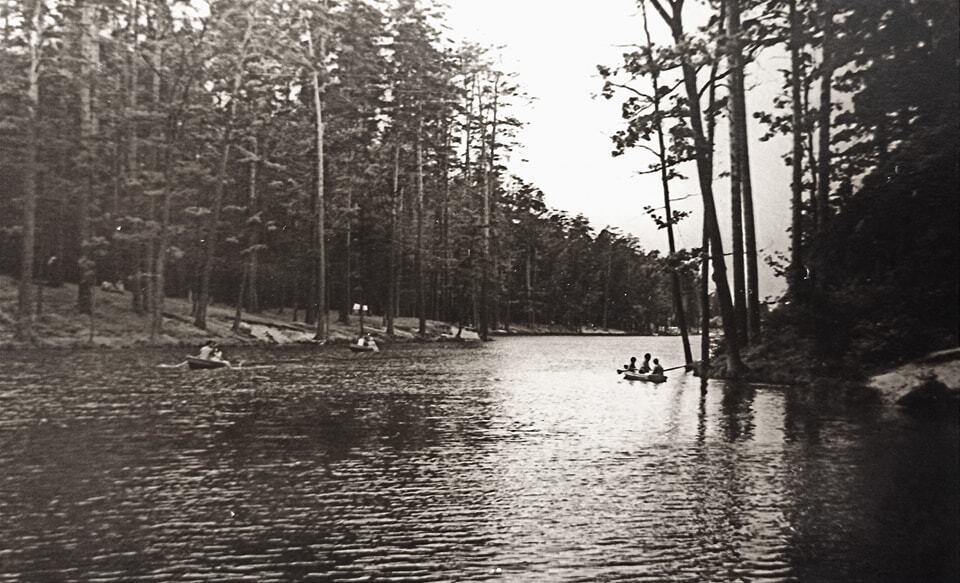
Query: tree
[{"x": 674, "y": 19}]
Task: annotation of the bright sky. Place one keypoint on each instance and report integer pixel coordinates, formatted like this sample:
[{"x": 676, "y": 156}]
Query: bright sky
[{"x": 554, "y": 47}]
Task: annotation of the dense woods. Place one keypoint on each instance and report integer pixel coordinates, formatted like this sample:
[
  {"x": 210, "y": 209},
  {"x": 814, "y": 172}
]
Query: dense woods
[
  {"x": 870, "y": 102},
  {"x": 305, "y": 157},
  {"x": 299, "y": 157}
]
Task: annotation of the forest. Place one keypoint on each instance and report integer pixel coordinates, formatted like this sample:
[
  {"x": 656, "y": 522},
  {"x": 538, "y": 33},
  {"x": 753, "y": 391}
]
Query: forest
[
  {"x": 316, "y": 155},
  {"x": 306, "y": 156}
]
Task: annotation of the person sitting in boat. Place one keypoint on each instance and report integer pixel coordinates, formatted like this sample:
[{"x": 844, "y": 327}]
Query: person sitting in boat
[
  {"x": 218, "y": 355},
  {"x": 207, "y": 350},
  {"x": 369, "y": 341},
  {"x": 632, "y": 367},
  {"x": 657, "y": 369},
  {"x": 645, "y": 366}
]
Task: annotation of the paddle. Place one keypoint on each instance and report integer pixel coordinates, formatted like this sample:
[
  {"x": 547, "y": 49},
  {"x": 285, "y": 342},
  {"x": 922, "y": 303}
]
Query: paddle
[
  {"x": 623, "y": 370},
  {"x": 180, "y": 365}
]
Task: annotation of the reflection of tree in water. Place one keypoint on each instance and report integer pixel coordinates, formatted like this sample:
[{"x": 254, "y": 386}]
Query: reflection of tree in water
[{"x": 737, "y": 415}]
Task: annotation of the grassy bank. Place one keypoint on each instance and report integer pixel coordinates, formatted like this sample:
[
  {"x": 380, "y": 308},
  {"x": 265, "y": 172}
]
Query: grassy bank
[{"x": 115, "y": 324}]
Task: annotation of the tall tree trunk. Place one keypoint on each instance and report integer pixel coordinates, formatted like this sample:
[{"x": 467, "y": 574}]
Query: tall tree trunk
[
  {"x": 446, "y": 293},
  {"x": 90, "y": 61},
  {"x": 826, "y": 80},
  {"x": 734, "y": 59},
  {"x": 796, "y": 224},
  {"x": 705, "y": 305},
  {"x": 493, "y": 184},
  {"x": 25, "y": 288},
  {"x": 163, "y": 160},
  {"x": 139, "y": 250},
  {"x": 163, "y": 241},
  {"x": 253, "y": 262},
  {"x": 528, "y": 288},
  {"x": 606, "y": 290},
  {"x": 676, "y": 288},
  {"x": 200, "y": 320},
  {"x": 705, "y": 178},
  {"x": 752, "y": 320},
  {"x": 346, "y": 304},
  {"x": 393, "y": 251},
  {"x": 421, "y": 303},
  {"x": 323, "y": 315},
  {"x": 484, "y": 301}
]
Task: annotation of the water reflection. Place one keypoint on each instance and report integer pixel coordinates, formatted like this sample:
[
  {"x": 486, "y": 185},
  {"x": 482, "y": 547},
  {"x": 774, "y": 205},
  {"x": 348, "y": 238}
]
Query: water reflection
[{"x": 525, "y": 460}]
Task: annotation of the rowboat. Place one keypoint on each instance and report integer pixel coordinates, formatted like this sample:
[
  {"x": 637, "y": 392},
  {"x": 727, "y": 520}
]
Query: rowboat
[
  {"x": 204, "y": 363},
  {"x": 364, "y": 348},
  {"x": 649, "y": 377}
]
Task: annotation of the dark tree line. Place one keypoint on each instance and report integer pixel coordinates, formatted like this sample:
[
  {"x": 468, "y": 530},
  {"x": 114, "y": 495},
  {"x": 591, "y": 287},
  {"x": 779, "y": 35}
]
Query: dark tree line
[
  {"x": 870, "y": 100},
  {"x": 300, "y": 156}
]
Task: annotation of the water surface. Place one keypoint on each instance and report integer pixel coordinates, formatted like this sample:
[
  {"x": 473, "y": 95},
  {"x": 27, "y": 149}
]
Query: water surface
[{"x": 524, "y": 460}]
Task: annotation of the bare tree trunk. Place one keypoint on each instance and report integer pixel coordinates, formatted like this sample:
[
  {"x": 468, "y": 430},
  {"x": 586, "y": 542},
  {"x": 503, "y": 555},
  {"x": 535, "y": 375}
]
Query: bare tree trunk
[
  {"x": 323, "y": 314},
  {"x": 751, "y": 321},
  {"x": 736, "y": 169},
  {"x": 200, "y": 321},
  {"x": 25, "y": 288},
  {"x": 796, "y": 225},
  {"x": 675, "y": 286},
  {"x": 705, "y": 305},
  {"x": 238, "y": 311},
  {"x": 139, "y": 250},
  {"x": 704, "y": 173},
  {"x": 392, "y": 256},
  {"x": 826, "y": 80},
  {"x": 347, "y": 300},
  {"x": 253, "y": 296},
  {"x": 90, "y": 61},
  {"x": 421, "y": 303},
  {"x": 163, "y": 158},
  {"x": 606, "y": 290},
  {"x": 528, "y": 288},
  {"x": 492, "y": 203},
  {"x": 484, "y": 301}
]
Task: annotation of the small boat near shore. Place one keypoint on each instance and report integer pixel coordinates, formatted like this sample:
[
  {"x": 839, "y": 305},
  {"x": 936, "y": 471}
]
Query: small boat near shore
[
  {"x": 364, "y": 348},
  {"x": 204, "y": 363},
  {"x": 648, "y": 377}
]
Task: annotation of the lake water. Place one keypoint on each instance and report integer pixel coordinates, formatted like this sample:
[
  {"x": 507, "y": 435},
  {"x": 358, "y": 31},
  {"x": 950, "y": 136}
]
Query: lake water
[{"x": 526, "y": 459}]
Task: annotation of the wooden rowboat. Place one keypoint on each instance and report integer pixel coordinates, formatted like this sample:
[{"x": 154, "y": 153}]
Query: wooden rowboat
[
  {"x": 203, "y": 363},
  {"x": 363, "y": 348},
  {"x": 649, "y": 377}
]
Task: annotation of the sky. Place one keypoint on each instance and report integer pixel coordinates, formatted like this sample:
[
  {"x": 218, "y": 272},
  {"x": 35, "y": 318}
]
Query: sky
[{"x": 554, "y": 47}]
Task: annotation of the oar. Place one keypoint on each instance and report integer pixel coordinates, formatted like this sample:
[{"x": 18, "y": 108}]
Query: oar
[
  {"x": 180, "y": 365},
  {"x": 623, "y": 370}
]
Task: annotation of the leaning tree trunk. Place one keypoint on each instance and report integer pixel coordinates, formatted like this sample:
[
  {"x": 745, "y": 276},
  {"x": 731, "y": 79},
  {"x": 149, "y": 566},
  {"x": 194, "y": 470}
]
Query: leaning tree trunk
[
  {"x": 676, "y": 288},
  {"x": 705, "y": 179}
]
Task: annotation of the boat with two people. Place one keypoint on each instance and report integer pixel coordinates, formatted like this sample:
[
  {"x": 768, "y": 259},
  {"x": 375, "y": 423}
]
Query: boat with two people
[{"x": 365, "y": 343}]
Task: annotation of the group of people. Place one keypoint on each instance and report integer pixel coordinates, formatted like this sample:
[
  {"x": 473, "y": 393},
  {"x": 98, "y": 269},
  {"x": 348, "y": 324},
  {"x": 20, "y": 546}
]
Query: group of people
[
  {"x": 645, "y": 367},
  {"x": 211, "y": 351}
]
